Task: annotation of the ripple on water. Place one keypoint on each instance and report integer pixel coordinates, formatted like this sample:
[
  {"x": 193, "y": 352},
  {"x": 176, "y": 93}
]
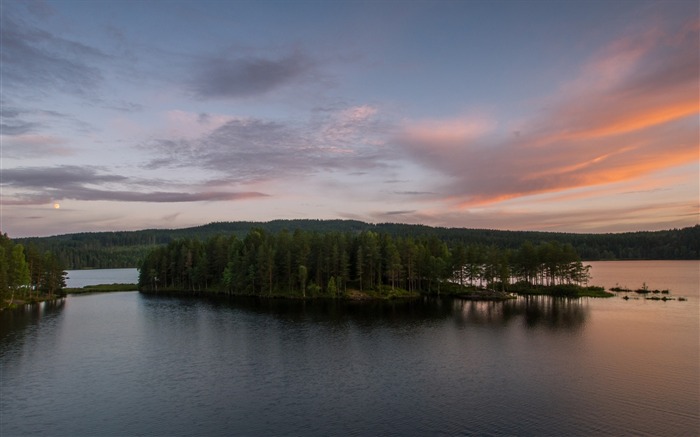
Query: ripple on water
[{"x": 128, "y": 364}]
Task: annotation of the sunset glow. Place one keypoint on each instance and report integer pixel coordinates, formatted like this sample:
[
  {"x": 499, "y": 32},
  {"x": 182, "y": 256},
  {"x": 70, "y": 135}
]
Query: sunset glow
[{"x": 440, "y": 113}]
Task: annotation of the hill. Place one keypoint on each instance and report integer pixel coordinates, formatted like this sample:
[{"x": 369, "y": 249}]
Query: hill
[{"x": 127, "y": 248}]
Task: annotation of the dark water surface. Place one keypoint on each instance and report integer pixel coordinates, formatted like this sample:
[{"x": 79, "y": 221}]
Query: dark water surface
[{"x": 129, "y": 364}]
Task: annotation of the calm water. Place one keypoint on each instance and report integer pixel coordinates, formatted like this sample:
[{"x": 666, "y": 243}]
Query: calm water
[
  {"x": 81, "y": 278},
  {"x": 128, "y": 364}
]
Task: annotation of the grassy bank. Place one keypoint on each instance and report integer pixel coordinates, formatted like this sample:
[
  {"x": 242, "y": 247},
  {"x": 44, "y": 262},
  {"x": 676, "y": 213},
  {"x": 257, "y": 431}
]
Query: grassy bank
[
  {"x": 101, "y": 288},
  {"x": 523, "y": 289},
  {"x": 387, "y": 293},
  {"x": 471, "y": 292},
  {"x": 27, "y": 300},
  {"x": 382, "y": 293},
  {"x": 561, "y": 290}
]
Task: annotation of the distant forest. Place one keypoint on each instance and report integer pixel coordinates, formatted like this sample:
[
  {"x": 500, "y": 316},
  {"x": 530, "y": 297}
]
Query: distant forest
[{"x": 129, "y": 248}]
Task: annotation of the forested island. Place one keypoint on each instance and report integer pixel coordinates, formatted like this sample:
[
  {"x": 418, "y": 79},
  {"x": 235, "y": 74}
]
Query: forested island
[
  {"x": 333, "y": 258},
  {"x": 127, "y": 248},
  {"x": 359, "y": 265},
  {"x": 28, "y": 275}
]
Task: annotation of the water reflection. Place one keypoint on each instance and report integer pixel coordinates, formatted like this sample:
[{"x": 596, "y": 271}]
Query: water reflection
[
  {"x": 14, "y": 323},
  {"x": 113, "y": 363},
  {"x": 532, "y": 312}
]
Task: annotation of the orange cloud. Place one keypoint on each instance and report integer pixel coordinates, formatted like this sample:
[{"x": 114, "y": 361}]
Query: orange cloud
[
  {"x": 634, "y": 111},
  {"x": 598, "y": 218},
  {"x": 642, "y": 120}
]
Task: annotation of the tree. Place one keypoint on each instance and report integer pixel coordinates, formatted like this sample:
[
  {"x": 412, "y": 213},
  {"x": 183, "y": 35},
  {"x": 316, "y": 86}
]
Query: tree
[
  {"x": 475, "y": 261},
  {"x": 409, "y": 252},
  {"x": 526, "y": 263},
  {"x": 313, "y": 264},
  {"x": 18, "y": 271},
  {"x": 302, "y": 279},
  {"x": 266, "y": 265},
  {"x": 332, "y": 289},
  {"x": 393, "y": 263},
  {"x": 53, "y": 278},
  {"x": 359, "y": 262},
  {"x": 459, "y": 261},
  {"x": 4, "y": 280}
]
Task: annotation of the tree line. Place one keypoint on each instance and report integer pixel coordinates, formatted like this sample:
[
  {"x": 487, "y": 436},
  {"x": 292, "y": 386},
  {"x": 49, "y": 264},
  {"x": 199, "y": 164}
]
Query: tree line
[
  {"x": 126, "y": 249},
  {"x": 28, "y": 274},
  {"x": 313, "y": 264}
]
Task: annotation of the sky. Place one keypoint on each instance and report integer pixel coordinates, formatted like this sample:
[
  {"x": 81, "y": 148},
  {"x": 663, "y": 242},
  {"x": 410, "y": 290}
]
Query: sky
[{"x": 566, "y": 116}]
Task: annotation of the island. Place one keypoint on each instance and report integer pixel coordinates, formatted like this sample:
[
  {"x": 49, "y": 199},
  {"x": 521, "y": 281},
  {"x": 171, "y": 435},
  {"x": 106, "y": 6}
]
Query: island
[
  {"x": 361, "y": 265},
  {"x": 314, "y": 260}
]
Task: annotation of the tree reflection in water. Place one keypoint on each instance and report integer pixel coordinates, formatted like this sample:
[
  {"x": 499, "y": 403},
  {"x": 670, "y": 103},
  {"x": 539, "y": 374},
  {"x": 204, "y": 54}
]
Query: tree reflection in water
[
  {"x": 15, "y": 322},
  {"x": 534, "y": 311}
]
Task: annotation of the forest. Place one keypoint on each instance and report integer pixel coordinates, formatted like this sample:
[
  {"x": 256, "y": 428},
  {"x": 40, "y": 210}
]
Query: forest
[
  {"x": 307, "y": 264},
  {"x": 28, "y": 275},
  {"x": 127, "y": 248}
]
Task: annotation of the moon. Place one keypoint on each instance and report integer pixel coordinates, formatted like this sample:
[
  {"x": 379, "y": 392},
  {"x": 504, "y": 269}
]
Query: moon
[{"x": 56, "y": 205}]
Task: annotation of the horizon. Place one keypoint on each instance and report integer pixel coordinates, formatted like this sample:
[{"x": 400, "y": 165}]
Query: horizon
[
  {"x": 572, "y": 117},
  {"x": 367, "y": 223}
]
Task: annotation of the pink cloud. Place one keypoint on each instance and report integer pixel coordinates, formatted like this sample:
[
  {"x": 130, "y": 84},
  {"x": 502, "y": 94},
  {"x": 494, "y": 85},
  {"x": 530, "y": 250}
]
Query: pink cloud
[
  {"x": 633, "y": 111},
  {"x": 358, "y": 113},
  {"x": 451, "y": 132},
  {"x": 596, "y": 219}
]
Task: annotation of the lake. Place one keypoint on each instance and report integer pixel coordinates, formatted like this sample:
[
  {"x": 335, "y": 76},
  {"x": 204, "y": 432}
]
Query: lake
[
  {"x": 132, "y": 364},
  {"x": 81, "y": 278}
]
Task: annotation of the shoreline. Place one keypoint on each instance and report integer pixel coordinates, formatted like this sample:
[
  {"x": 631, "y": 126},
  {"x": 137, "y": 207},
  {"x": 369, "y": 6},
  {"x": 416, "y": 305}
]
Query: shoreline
[
  {"x": 88, "y": 289},
  {"x": 101, "y": 288},
  {"x": 483, "y": 294},
  {"x": 353, "y": 295},
  {"x": 17, "y": 303}
]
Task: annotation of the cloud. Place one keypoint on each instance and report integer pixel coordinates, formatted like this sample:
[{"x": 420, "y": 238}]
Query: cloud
[
  {"x": 63, "y": 176},
  {"x": 633, "y": 111},
  {"x": 13, "y": 120},
  {"x": 157, "y": 196},
  {"x": 124, "y": 106},
  {"x": 627, "y": 218},
  {"x": 189, "y": 125},
  {"x": 245, "y": 149},
  {"x": 358, "y": 114},
  {"x": 40, "y": 8},
  {"x": 251, "y": 150},
  {"x": 448, "y": 132},
  {"x": 18, "y": 127},
  {"x": 415, "y": 193},
  {"x": 170, "y": 217},
  {"x": 33, "y": 145},
  {"x": 344, "y": 129},
  {"x": 403, "y": 212},
  {"x": 30, "y": 133},
  {"x": 26, "y": 200},
  {"x": 223, "y": 77},
  {"x": 40, "y": 185},
  {"x": 40, "y": 61}
]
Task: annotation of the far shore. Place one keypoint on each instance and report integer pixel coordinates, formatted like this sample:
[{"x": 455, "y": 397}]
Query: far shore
[{"x": 101, "y": 288}]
